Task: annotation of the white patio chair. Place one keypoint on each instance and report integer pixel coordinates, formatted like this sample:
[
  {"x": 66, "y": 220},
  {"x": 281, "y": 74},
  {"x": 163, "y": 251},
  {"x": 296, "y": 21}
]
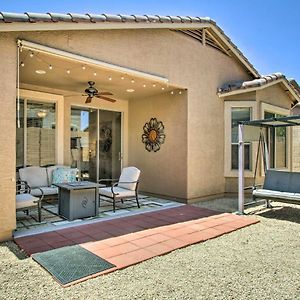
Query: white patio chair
[{"x": 125, "y": 187}]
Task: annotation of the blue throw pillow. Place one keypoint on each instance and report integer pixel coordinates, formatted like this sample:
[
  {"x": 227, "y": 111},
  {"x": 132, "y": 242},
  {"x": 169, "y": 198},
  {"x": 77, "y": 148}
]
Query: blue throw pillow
[{"x": 64, "y": 175}]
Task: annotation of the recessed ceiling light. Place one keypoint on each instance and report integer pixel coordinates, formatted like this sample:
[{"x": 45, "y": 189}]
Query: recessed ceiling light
[
  {"x": 130, "y": 90},
  {"x": 162, "y": 88},
  {"x": 132, "y": 80},
  {"x": 172, "y": 93},
  {"x": 180, "y": 93},
  {"x": 40, "y": 72},
  {"x": 144, "y": 85},
  {"x": 154, "y": 85},
  {"x": 83, "y": 67},
  {"x": 95, "y": 74},
  {"x": 122, "y": 77},
  {"x": 68, "y": 71},
  {"x": 109, "y": 78}
]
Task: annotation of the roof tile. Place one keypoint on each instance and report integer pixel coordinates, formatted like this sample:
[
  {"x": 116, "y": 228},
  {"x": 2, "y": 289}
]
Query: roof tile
[
  {"x": 60, "y": 17},
  {"x": 152, "y": 19},
  {"x": 96, "y": 18},
  {"x": 14, "y": 17},
  {"x": 175, "y": 19},
  {"x": 164, "y": 19},
  {"x": 36, "y": 17},
  {"x": 127, "y": 18},
  {"x": 113, "y": 18},
  {"x": 185, "y": 19},
  {"x": 140, "y": 18},
  {"x": 79, "y": 17}
]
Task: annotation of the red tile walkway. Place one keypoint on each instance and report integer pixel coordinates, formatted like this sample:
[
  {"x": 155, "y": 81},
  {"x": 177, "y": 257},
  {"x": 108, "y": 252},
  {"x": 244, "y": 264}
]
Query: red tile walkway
[
  {"x": 130, "y": 249},
  {"x": 104, "y": 230}
]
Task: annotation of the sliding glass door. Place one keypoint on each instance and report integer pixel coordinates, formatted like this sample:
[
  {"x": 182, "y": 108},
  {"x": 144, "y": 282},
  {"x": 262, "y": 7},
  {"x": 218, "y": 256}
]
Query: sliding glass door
[{"x": 96, "y": 143}]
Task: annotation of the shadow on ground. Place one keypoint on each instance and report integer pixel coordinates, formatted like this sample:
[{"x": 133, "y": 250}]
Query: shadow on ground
[
  {"x": 15, "y": 249},
  {"x": 286, "y": 213}
]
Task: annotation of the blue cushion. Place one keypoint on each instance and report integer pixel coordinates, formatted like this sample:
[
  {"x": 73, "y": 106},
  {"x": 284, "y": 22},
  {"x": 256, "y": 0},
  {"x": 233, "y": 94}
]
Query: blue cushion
[{"x": 64, "y": 175}]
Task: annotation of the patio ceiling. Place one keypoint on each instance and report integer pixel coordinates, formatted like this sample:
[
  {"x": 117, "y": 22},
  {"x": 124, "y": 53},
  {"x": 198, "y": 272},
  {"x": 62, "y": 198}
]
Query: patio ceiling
[{"x": 69, "y": 77}]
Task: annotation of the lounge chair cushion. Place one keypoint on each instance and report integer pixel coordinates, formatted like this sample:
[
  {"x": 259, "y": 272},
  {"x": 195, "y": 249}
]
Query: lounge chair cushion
[
  {"x": 106, "y": 191},
  {"x": 48, "y": 191},
  {"x": 25, "y": 200},
  {"x": 129, "y": 174},
  {"x": 34, "y": 176}
]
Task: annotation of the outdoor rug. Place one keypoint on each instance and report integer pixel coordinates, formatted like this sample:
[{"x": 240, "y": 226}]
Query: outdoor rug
[{"x": 72, "y": 263}]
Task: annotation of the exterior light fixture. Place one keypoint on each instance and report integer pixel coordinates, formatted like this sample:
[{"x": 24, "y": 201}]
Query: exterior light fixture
[
  {"x": 42, "y": 113},
  {"x": 41, "y": 72}
]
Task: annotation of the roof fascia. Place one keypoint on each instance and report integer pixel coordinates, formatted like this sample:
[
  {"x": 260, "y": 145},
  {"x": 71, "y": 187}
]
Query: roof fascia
[
  {"x": 12, "y": 27},
  {"x": 249, "y": 90}
]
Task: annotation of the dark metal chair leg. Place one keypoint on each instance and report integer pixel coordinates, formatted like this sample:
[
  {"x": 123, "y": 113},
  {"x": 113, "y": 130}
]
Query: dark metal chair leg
[
  {"x": 137, "y": 199},
  {"x": 40, "y": 211},
  {"x": 114, "y": 204}
]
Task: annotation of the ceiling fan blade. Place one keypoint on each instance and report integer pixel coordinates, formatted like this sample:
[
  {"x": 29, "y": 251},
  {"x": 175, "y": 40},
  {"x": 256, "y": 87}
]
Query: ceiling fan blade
[
  {"x": 88, "y": 100},
  {"x": 106, "y": 98},
  {"x": 105, "y": 93}
]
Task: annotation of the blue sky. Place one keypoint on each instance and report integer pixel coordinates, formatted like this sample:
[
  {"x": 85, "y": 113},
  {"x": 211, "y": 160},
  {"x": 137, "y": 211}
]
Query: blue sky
[{"x": 266, "y": 31}]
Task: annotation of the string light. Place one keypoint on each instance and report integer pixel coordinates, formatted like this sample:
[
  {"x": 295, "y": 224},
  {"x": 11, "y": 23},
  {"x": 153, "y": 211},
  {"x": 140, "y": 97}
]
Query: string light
[
  {"x": 95, "y": 74},
  {"x": 122, "y": 77},
  {"x": 22, "y": 64},
  {"x": 172, "y": 92},
  {"x": 68, "y": 71},
  {"x": 83, "y": 67},
  {"x": 144, "y": 85},
  {"x": 50, "y": 67},
  {"x": 132, "y": 80},
  {"x": 109, "y": 78},
  {"x": 31, "y": 54},
  {"x": 154, "y": 85},
  {"x": 162, "y": 88},
  {"x": 180, "y": 93}
]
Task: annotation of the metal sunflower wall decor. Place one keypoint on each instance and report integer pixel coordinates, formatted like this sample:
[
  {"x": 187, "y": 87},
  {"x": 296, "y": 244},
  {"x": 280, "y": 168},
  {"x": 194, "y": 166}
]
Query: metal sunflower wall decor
[{"x": 153, "y": 135}]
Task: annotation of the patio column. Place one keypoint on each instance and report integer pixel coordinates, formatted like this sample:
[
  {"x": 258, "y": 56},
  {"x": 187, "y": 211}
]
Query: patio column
[
  {"x": 8, "y": 67},
  {"x": 241, "y": 170}
]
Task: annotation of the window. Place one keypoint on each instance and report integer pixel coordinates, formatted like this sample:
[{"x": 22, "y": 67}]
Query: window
[
  {"x": 35, "y": 144},
  {"x": 277, "y": 142},
  {"x": 239, "y": 114}
]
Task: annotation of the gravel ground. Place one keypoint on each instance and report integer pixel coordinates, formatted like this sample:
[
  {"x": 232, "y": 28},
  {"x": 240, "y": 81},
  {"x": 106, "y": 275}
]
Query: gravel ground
[{"x": 257, "y": 262}]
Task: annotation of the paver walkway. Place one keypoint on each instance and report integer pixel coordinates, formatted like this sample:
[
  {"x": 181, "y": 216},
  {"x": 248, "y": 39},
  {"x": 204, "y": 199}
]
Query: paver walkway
[
  {"x": 129, "y": 240},
  {"x": 102, "y": 230}
]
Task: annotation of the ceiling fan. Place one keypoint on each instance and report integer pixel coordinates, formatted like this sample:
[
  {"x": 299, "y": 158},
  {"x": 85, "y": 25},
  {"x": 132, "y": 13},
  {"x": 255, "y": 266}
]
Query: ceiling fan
[{"x": 92, "y": 92}]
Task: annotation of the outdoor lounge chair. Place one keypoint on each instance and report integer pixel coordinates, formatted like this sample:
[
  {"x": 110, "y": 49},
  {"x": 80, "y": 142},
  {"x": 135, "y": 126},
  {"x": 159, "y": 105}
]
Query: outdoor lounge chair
[
  {"x": 125, "y": 187},
  {"x": 25, "y": 201}
]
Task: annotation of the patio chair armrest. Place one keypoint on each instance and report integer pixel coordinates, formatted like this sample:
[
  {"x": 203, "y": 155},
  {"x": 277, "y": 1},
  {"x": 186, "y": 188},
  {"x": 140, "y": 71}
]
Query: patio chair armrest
[
  {"x": 42, "y": 194},
  {"x": 126, "y": 182},
  {"x": 22, "y": 185},
  {"x": 107, "y": 180}
]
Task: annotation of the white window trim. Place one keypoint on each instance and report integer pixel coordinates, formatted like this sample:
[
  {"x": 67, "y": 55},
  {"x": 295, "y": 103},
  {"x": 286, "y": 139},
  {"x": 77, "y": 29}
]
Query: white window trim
[
  {"x": 228, "y": 172},
  {"x": 266, "y": 107},
  {"x": 59, "y": 117}
]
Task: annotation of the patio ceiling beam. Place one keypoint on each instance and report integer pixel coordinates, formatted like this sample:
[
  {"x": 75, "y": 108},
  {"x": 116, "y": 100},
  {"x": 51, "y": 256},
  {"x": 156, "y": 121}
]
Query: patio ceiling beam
[{"x": 89, "y": 61}]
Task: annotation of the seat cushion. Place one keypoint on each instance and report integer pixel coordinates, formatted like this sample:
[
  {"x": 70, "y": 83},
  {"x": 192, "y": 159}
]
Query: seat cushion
[
  {"x": 129, "y": 174},
  {"x": 34, "y": 176},
  {"x": 121, "y": 192},
  {"x": 48, "y": 191},
  {"x": 25, "y": 200},
  {"x": 50, "y": 172},
  {"x": 64, "y": 175}
]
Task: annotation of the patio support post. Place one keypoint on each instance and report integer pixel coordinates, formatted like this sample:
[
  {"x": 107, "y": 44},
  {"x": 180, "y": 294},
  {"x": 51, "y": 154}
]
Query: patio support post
[{"x": 241, "y": 170}]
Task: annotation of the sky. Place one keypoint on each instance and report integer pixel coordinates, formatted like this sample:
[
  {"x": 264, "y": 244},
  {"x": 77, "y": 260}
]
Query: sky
[{"x": 267, "y": 31}]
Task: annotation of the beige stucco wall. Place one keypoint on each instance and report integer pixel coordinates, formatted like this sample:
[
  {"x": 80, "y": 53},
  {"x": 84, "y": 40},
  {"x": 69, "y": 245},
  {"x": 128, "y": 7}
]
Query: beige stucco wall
[
  {"x": 186, "y": 63},
  {"x": 163, "y": 172},
  {"x": 8, "y": 66}
]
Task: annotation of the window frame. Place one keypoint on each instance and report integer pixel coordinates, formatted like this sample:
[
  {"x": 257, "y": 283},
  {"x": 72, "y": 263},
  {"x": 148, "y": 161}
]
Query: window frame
[
  {"x": 229, "y": 105},
  {"x": 40, "y": 97}
]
